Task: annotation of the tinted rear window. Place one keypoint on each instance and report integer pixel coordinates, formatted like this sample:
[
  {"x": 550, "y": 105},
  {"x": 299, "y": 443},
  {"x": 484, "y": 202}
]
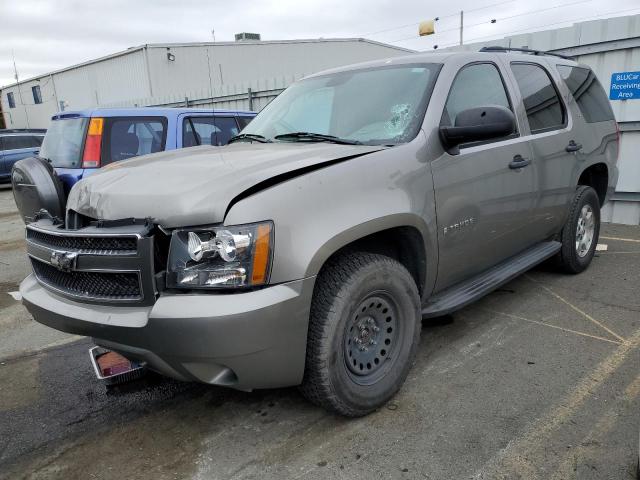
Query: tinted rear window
[
  {"x": 587, "y": 92},
  {"x": 128, "y": 137},
  {"x": 15, "y": 142},
  {"x": 541, "y": 101},
  {"x": 63, "y": 142}
]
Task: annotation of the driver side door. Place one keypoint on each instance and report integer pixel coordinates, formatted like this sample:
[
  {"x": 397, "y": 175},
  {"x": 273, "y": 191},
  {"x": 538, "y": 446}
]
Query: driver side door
[{"x": 483, "y": 203}]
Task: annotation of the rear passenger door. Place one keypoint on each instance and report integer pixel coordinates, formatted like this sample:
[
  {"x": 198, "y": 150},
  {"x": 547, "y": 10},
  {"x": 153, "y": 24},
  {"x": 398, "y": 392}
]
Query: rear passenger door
[
  {"x": 551, "y": 131},
  {"x": 208, "y": 130},
  {"x": 483, "y": 205}
]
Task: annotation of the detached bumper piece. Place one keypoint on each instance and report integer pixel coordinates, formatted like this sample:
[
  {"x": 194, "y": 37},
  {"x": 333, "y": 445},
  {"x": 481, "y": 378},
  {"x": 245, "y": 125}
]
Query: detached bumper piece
[{"x": 112, "y": 368}]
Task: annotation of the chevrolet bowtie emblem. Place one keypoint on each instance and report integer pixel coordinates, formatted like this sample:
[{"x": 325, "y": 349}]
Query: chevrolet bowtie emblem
[{"x": 63, "y": 261}]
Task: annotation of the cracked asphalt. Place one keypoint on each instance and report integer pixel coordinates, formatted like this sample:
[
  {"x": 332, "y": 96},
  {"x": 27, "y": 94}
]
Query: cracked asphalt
[{"x": 539, "y": 380}]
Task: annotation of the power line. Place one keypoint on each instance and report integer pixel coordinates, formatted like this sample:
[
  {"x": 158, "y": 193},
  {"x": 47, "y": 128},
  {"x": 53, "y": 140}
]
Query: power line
[
  {"x": 599, "y": 15},
  {"x": 440, "y": 17},
  {"x": 531, "y": 12}
]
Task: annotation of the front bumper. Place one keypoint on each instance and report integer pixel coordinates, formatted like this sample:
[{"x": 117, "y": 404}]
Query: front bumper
[{"x": 245, "y": 340}]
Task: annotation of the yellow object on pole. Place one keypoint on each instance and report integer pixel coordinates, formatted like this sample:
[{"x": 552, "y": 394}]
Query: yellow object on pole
[{"x": 428, "y": 27}]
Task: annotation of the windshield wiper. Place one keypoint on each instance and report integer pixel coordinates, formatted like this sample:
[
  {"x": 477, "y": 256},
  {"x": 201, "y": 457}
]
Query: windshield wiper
[
  {"x": 249, "y": 136},
  {"x": 319, "y": 137}
]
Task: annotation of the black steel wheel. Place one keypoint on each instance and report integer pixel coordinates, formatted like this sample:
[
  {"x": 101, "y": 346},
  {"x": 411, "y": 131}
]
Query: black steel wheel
[
  {"x": 370, "y": 337},
  {"x": 363, "y": 333}
]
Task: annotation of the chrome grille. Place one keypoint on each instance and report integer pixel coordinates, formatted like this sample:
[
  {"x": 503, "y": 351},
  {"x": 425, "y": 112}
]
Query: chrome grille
[
  {"x": 93, "y": 245},
  {"x": 106, "y": 263},
  {"x": 95, "y": 285}
]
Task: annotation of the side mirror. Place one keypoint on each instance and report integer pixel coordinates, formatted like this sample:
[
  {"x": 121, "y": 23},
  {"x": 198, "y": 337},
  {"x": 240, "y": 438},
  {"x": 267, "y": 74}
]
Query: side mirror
[{"x": 477, "y": 124}]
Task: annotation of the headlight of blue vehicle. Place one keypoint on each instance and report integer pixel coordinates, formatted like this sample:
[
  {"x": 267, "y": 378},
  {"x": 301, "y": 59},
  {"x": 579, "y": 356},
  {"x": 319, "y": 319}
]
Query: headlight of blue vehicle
[{"x": 221, "y": 257}]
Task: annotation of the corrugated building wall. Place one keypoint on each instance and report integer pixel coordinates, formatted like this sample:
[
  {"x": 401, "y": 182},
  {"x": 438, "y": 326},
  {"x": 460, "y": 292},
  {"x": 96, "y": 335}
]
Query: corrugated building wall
[
  {"x": 608, "y": 46},
  {"x": 236, "y": 75}
]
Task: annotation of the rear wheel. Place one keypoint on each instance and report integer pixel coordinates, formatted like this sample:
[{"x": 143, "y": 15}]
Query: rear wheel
[
  {"x": 363, "y": 333},
  {"x": 580, "y": 234}
]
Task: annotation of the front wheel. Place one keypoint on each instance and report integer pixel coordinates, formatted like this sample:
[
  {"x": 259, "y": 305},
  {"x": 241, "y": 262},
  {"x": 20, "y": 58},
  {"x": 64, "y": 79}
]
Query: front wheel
[
  {"x": 363, "y": 333},
  {"x": 580, "y": 234}
]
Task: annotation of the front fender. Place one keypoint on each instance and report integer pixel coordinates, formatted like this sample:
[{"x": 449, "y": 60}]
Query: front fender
[
  {"x": 320, "y": 212},
  {"x": 375, "y": 225}
]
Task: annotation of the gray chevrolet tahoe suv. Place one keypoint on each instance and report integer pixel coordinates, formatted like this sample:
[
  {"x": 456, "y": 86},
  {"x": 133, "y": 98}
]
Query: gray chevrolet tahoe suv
[{"x": 358, "y": 202}]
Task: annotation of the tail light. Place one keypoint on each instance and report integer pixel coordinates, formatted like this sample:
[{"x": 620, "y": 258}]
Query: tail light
[{"x": 93, "y": 144}]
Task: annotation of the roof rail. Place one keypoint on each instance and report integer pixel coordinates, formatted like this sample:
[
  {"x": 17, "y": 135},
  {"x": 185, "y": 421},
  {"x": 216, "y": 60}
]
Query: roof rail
[{"x": 523, "y": 50}]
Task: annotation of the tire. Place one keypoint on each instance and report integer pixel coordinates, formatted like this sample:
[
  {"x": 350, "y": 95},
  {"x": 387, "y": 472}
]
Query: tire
[
  {"x": 575, "y": 256},
  {"x": 351, "y": 368}
]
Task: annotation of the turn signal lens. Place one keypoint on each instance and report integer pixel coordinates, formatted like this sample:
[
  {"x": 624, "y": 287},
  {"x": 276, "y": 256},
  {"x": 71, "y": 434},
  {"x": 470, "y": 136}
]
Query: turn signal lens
[
  {"x": 261, "y": 254},
  {"x": 93, "y": 144}
]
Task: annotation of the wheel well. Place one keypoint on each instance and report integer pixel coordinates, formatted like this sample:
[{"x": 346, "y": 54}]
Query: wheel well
[
  {"x": 403, "y": 244},
  {"x": 597, "y": 177}
]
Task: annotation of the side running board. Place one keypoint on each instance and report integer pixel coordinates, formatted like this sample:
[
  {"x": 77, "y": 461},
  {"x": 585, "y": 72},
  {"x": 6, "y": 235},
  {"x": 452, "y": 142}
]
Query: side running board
[{"x": 468, "y": 291}]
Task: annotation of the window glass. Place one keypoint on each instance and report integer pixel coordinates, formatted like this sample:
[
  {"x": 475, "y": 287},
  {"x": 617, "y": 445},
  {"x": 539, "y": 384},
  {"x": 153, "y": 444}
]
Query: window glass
[
  {"x": 34, "y": 141},
  {"x": 131, "y": 137},
  {"x": 541, "y": 101},
  {"x": 14, "y": 142},
  {"x": 475, "y": 86},
  {"x": 376, "y": 106},
  {"x": 11, "y": 100},
  {"x": 243, "y": 121},
  {"x": 62, "y": 144},
  {"x": 319, "y": 101},
  {"x": 587, "y": 92},
  {"x": 208, "y": 131},
  {"x": 37, "y": 95}
]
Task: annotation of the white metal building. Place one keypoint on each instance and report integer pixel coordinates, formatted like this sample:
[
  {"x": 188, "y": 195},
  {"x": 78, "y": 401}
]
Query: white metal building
[
  {"x": 247, "y": 74},
  {"x": 608, "y": 46},
  {"x": 237, "y": 75}
]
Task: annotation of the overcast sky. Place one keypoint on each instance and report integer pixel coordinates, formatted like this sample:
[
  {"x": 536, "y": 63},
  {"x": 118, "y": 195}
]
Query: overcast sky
[{"x": 46, "y": 35}]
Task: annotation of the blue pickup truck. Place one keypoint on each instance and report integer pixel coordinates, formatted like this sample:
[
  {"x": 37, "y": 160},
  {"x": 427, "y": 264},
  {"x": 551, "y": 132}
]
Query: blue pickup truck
[
  {"x": 16, "y": 144},
  {"x": 78, "y": 143}
]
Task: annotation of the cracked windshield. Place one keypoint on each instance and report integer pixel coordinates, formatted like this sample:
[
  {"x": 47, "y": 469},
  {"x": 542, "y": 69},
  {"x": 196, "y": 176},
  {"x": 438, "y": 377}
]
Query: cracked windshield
[{"x": 379, "y": 106}]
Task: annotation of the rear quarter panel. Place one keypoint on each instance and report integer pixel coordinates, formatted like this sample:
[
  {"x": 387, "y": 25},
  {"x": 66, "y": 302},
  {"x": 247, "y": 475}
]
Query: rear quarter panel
[{"x": 599, "y": 140}]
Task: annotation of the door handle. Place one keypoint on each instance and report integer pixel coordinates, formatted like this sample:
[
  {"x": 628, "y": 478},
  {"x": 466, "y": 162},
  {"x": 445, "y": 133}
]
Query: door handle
[
  {"x": 573, "y": 147},
  {"x": 518, "y": 162}
]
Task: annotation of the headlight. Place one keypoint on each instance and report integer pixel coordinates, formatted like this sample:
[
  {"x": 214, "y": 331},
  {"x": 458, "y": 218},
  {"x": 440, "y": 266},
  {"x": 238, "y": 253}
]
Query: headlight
[{"x": 221, "y": 257}]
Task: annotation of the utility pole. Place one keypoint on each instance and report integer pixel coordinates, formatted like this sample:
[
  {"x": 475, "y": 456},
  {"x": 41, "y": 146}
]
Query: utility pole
[
  {"x": 461, "y": 26},
  {"x": 15, "y": 72}
]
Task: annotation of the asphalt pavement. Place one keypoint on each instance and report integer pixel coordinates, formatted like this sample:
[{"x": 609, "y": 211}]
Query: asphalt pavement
[{"x": 539, "y": 380}]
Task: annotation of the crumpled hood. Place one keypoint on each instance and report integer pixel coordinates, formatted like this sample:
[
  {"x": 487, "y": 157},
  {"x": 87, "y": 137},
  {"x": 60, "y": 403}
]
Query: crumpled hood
[{"x": 194, "y": 186}]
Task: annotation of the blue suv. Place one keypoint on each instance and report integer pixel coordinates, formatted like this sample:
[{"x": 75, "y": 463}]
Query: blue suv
[
  {"x": 78, "y": 143},
  {"x": 15, "y": 145}
]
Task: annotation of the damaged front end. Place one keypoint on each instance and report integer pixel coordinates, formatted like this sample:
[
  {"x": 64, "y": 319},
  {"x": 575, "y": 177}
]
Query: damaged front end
[{"x": 103, "y": 262}]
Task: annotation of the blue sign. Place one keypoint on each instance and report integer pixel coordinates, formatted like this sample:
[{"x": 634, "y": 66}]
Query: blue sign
[{"x": 625, "y": 86}]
